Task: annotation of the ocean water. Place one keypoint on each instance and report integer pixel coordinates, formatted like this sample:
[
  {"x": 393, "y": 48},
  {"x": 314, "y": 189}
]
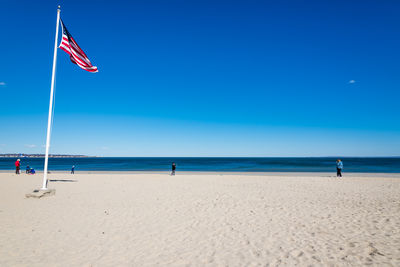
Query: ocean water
[{"x": 314, "y": 164}]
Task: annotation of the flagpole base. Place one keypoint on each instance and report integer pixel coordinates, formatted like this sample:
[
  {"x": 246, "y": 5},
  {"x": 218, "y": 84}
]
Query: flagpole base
[{"x": 42, "y": 192}]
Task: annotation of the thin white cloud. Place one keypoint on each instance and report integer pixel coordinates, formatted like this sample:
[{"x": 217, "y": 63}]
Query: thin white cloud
[
  {"x": 352, "y": 81},
  {"x": 30, "y": 145},
  {"x": 2, "y": 83}
]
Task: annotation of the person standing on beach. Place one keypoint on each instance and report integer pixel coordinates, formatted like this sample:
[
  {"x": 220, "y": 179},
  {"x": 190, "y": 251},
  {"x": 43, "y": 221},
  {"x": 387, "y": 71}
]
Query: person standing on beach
[
  {"x": 173, "y": 168},
  {"x": 73, "y": 169},
  {"x": 339, "y": 167},
  {"x": 17, "y": 166},
  {"x": 28, "y": 169}
]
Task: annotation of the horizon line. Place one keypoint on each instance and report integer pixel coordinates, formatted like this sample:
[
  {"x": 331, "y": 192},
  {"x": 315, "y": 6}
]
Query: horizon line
[{"x": 94, "y": 156}]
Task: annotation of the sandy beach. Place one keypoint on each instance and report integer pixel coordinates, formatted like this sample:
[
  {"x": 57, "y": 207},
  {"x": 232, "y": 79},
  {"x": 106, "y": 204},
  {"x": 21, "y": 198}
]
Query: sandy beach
[{"x": 201, "y": 219}]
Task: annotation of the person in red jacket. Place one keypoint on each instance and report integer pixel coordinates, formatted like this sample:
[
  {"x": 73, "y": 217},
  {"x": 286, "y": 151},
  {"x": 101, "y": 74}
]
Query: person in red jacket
[{"x": 17, "y": 166}]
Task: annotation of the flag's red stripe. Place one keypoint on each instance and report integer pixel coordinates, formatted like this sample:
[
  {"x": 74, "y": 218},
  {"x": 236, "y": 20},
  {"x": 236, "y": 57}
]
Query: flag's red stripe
[
  {"x": 77, "y": 47},
  {"x": 78, "y": 60},
  {"x": 85, "y": 67},
  {"x": 72, "y": 44},
  {"x": 66, "y": 50},
  {"x": 76, "y": 53},
  {"x": 79, "y": 57},
  {"x": 73, "y": 54}
]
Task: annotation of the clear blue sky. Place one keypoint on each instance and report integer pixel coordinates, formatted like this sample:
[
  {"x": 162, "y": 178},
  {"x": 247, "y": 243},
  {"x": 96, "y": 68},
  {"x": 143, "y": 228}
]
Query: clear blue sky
[{"x": 204, "y": 78}]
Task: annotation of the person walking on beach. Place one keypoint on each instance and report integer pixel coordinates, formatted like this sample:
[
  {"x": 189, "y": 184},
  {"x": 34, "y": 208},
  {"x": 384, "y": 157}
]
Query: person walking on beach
[
  {"x": 339, "y": 167},
  {"x": 73, "y": 169},
  {"x": 173, "y": 168},
  {"x": 17, "y": 166}
]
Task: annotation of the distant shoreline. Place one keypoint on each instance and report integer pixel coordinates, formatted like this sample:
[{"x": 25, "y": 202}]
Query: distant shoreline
[
  {"x": 14, "y": 155},
  {"x": 43, "y": 155}
]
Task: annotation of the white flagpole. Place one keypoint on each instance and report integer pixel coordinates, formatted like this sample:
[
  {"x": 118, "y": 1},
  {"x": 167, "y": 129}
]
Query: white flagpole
[{"x": 44, "y": 187}]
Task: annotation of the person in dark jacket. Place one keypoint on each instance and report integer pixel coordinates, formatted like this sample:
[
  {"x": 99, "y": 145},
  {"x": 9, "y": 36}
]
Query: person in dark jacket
[
  {"x": 173, "y": 168},
  {"x": 339, "y": 168},
  {"x": 28, "y": 169}
]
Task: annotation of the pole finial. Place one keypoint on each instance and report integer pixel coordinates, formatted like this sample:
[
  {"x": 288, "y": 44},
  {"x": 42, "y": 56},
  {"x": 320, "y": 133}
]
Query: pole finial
[{"x": 59, "y": 7}]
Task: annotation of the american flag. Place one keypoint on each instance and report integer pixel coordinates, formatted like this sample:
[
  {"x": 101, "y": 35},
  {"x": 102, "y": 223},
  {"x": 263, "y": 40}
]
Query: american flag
[{"x": 75, "y": 53}]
